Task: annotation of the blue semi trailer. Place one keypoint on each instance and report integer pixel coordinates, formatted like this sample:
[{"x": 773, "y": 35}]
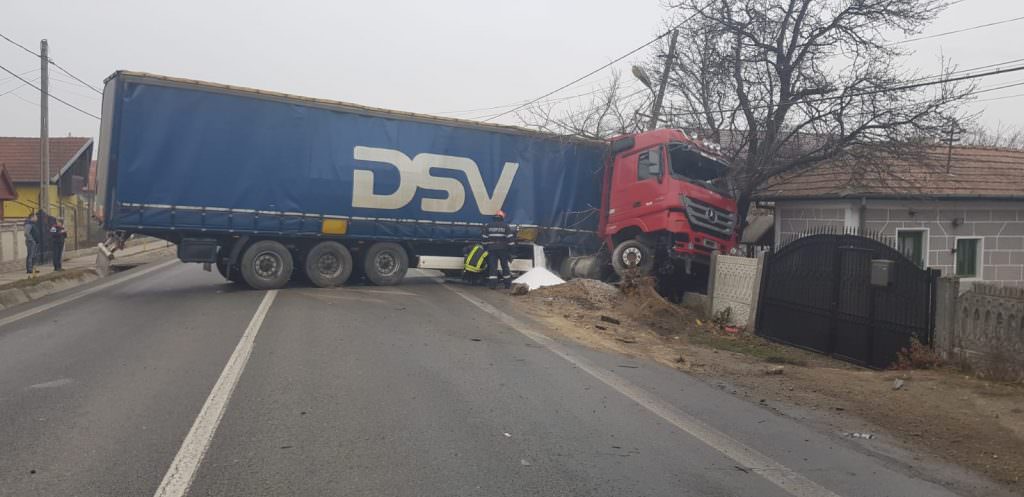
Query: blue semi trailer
[{"x": 267, "y": 186}]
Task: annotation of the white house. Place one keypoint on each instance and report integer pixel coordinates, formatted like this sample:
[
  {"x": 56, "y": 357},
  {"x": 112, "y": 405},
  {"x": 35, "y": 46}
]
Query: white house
[{"x": 963, "y": 213}]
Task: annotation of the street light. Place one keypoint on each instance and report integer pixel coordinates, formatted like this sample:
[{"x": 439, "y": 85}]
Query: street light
[{"x": 641, "y": 74}]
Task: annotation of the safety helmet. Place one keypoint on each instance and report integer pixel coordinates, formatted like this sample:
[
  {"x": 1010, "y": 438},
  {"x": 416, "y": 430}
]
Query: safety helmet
[{"x": 500, "y": 214}]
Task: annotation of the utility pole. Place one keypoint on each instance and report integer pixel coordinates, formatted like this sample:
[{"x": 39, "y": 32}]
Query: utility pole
[
  {"x": 656, "y": 108},
  {"x": 44, "y": 127}
]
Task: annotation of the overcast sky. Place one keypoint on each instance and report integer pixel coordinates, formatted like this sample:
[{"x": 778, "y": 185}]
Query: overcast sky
[{"x": 424, "y": 56}]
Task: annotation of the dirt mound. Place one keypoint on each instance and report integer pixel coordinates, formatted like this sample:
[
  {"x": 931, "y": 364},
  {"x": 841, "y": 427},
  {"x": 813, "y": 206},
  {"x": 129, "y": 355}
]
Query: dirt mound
[
  {"x": 645, "y": 305},
  {"x": 591, "y": 295},
  {"x": 640, "y": 303}
]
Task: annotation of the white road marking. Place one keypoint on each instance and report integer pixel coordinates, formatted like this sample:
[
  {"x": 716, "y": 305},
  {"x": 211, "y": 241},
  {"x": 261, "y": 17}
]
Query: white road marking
[
  {"x": 52, "y": 383},
  {"x": 77, "y": 295},
  {"x": 183, "y": 469},
  {"x": 792, "y": 482}
]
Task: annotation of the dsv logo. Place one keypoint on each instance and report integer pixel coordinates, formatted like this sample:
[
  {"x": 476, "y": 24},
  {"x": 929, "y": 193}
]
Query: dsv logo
[{"x": 415, "y": 173}]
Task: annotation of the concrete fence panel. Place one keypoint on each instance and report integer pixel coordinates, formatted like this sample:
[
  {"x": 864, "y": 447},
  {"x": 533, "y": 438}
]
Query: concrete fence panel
[
  {"x": 982, "y": 328},
  {"x": 736, "y": 281}
]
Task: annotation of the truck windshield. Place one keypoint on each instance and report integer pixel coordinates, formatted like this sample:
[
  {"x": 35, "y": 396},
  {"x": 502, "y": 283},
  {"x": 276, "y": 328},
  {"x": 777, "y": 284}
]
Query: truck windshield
[{"x": 690, "y": 165}]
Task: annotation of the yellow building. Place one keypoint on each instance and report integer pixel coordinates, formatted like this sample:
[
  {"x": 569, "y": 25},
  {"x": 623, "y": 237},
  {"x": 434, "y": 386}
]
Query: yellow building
[{"x": 69, "y": 170}]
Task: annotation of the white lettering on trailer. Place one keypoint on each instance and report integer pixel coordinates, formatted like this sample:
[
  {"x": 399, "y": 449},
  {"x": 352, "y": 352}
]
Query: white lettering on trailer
[{"x": 415, "y": 173}]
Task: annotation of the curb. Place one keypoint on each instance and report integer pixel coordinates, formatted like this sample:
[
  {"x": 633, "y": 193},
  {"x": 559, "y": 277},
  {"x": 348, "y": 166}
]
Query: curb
[
  {"x": 13, "y": 297},
  {"x": 15, "y": 264}
]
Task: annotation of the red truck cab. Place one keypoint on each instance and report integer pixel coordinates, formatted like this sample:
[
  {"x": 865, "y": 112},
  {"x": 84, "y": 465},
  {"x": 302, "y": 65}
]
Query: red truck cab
[{"x": 666, "y": 205}]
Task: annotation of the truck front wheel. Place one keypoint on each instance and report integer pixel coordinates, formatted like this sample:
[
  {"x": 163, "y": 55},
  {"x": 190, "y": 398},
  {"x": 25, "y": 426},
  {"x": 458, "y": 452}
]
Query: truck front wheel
[
  {"x": 632, "y": 254},
  {"x": 386, "y": 263},
  {"x": 267, "y": 264},
  {"x": 328, "y": 264}
]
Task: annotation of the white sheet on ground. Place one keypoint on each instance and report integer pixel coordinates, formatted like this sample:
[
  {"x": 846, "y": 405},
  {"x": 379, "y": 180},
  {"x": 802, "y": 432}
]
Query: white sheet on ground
[{"x": 538, "y": 277}]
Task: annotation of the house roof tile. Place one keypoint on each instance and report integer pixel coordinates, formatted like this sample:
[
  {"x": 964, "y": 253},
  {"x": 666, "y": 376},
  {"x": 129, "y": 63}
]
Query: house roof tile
[
  {"x": 21, "y": 155},
  {"x": 972, "y": 172}
]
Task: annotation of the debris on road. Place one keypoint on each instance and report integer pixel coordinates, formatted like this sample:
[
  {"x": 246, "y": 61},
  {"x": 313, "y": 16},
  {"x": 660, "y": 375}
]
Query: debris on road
[
  {"x": 519, "y": 289},
  {"x": 775, "y": 370},
  {"x": 897, "y": 384},
  {"x": 609, "y": 319},
  {"x": 474, "y": 339},
  {"x": 602, "y": 328},
  {"x": 508, "y": 435},
  {"x": 524, "y": 462},
  {"x": 865, "y": 436},
  {"x": 626, "y": 339}
]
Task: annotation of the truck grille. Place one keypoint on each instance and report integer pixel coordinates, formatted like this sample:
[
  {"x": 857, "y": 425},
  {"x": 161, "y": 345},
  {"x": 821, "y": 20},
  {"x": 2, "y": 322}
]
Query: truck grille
[{"x": 709, "y": 219}]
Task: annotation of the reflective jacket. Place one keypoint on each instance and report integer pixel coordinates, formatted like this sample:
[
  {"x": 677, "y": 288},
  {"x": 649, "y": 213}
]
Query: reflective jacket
[{"x": 475, "y": 259}]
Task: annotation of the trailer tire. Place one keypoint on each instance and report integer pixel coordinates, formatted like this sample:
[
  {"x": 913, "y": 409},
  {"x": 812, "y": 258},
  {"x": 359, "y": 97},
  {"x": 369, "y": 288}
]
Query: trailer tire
[
  {"x": 632, "y": 254},
  {"x": 266, "y": 265},
  {"x": 328, "y": 264},
  {"x": 386, "y": 263}
]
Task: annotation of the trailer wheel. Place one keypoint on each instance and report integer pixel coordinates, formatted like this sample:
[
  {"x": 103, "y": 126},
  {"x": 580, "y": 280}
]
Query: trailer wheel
[
  {"x": 632, "y": 254},
  {"x": 328, "y": 264},
  {"x": 266, "y": 265},
  {"x": 385, "y": 263}
]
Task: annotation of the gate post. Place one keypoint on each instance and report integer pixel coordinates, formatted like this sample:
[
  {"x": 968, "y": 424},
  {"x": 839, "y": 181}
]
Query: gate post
[
  {"x": 755, "y": 298},
  {"x": 837, "y": 275},
  {"x": 763, "y": 262}
]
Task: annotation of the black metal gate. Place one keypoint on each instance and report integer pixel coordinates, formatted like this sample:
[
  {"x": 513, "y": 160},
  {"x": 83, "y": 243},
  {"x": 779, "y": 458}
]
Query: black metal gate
[{"x": 816, "y": 293}]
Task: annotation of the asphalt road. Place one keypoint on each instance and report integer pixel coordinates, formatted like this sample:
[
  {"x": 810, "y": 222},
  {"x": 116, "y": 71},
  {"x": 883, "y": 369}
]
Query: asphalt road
[{"x": 170, "y": 380}]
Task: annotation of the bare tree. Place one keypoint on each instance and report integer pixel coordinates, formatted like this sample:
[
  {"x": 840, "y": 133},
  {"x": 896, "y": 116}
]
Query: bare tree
[
  {"x": 611, "y": 110},
  {"x": 784, "y": 85},
  {"x": 1001, "y": 136}
]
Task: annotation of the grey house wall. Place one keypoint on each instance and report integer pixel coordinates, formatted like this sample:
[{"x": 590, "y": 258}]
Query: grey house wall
[{"x": 1000, "y": 225}]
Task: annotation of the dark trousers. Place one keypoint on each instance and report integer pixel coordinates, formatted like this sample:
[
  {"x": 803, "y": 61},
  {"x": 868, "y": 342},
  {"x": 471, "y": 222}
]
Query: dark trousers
[
  {"x": 504, "y": 258},
  {"x": 30, "y": 259},
  {"x": 58, "y": 255}
]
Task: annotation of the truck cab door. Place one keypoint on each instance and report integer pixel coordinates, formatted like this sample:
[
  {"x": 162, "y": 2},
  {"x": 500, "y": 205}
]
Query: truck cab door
[{"x": 636, "y": 185}]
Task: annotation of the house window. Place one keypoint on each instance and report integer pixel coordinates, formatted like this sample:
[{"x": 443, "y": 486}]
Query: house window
[
  {"x": 914, "y": 245},
  {"x": 968, "y": 257},
  {"x": 648, "y": 164}
]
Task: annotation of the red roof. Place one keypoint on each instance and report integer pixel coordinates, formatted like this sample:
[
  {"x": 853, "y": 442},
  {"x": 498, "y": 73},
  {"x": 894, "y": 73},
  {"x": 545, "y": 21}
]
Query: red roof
[
  {"x": 7, "y": 190},
  {"x": 21, "y": 155},
  {"x": 972, "y": 172}
]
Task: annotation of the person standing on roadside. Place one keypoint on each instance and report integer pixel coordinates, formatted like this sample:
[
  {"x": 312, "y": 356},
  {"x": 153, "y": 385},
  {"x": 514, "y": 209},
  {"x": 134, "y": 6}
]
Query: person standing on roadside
[
  {"x": 498, "y": 238},
  {"x": 32, "y": 240},
  {"x": 57, "y": 236}
]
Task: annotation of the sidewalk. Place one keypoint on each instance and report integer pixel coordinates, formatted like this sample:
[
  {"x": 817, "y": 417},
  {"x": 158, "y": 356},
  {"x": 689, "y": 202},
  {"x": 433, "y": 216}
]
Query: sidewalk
[{"x": 87, "y": 261}]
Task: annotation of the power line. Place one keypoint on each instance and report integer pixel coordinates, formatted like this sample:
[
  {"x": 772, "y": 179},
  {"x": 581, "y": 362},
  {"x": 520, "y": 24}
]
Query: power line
[
  {"x": 560, "y": 99},
  {"x": 589, "y": 74},
  {"x": 496, "y": 107},
  {"x": 909, "y": 86},
  {"x": 23, "y": 80},
  {"x": 8, "y": 78},
  {"x": 645, "y": 45},
  {"x": 1004, "y": 97},
  {"x": 955, "y": 31},
  {"x": 12, "y": 90},
  {"x": 52, "y": 62}
]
